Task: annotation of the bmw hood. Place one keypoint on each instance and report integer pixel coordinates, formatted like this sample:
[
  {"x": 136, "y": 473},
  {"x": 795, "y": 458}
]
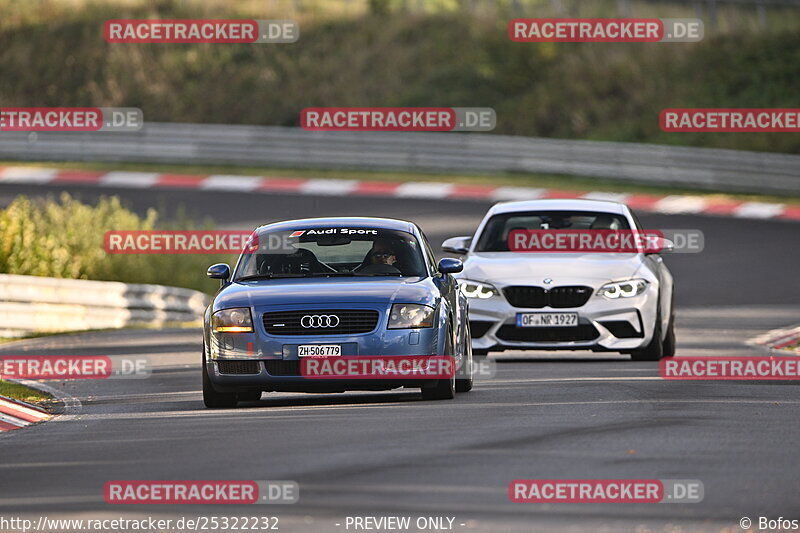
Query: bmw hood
[
  {"x": 508, "y": 268},
  {"x": 324, "y": 292}
]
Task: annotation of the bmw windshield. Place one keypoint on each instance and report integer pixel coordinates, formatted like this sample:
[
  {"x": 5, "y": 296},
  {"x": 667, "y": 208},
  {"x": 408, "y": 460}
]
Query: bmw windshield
[
  {"x": 330, "y": 252},
  {"x": 495, "y": 235}
]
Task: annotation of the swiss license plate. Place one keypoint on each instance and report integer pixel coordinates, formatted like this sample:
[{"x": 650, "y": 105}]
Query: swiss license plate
[
  {"x": 318, "y": 350},
  {"x": 546, "y": 320}
]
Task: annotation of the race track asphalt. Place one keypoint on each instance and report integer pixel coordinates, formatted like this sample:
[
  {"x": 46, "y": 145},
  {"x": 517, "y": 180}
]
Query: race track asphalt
[{"x": 571, "y": 415}]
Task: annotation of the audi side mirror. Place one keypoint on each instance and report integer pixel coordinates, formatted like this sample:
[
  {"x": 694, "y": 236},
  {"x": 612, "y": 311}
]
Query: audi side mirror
[
  {"x": 220, "y": 271},
  {"x": 448, "y": 265}
]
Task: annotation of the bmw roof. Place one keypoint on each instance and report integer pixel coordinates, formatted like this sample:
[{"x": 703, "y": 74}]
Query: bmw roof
[
  {"x": 560, "y": 204},
  {"x": 341, "y": 222}
]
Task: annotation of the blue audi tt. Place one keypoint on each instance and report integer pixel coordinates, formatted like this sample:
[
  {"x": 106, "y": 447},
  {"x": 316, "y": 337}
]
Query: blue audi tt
[{"x": 333, "y": 289}]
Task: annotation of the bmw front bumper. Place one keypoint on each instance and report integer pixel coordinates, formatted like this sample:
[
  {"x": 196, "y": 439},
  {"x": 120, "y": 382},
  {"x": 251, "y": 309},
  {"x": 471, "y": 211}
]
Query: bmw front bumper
[{"x": 623, "y": 324}]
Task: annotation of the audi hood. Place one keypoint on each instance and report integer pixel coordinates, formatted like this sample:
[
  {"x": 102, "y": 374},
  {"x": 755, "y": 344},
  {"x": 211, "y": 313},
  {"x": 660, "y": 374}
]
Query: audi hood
[{"x": 304, "y": 291}]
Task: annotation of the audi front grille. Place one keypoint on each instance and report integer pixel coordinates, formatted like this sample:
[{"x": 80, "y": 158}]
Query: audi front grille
[
  {"x": 321, "y": 322},
  {"x": 556, "y": 297},
  {"x": 282, "y": 368}
]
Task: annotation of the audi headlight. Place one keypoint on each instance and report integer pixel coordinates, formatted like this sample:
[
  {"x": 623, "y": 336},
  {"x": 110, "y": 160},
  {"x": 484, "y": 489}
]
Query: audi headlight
[
  {"x": 476, "y": 289},
  {"x": 623, "y": 289},
  {"x": 235, "y": 320},
  {"x": 405, "y": 316}
]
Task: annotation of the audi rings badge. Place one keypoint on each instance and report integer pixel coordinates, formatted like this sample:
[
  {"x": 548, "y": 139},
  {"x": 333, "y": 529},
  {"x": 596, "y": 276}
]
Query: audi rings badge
[{"x": 319, "y": 321}]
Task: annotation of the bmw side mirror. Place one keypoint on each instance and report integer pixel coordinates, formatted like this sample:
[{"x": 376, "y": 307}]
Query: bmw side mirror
[
  {"x": 220, "y": 271},
  {"x": 448, "y": 265},
  {"x": 457, "y": 245},
  {"x": 664, "y": 246}
]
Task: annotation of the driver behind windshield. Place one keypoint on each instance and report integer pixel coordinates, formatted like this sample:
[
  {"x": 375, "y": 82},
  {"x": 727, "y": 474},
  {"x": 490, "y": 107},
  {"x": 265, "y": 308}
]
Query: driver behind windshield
[
  {"x": 331, "y": 252},
  {"x": 382, "y": 253}
]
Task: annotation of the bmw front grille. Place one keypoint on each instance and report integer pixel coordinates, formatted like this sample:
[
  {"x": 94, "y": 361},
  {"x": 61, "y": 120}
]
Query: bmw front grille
[{"x": 557, "y": 297}]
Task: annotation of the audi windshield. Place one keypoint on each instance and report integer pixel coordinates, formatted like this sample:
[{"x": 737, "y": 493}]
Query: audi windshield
[{"x": 329, "y": 252}]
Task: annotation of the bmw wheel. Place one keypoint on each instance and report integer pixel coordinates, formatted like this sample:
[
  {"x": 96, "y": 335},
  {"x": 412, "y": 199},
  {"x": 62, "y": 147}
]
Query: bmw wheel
[{"x": 654, "y": 351}]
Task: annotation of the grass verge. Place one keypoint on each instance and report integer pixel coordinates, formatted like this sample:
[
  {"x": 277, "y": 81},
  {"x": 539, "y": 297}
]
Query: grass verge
[{"x": 21, "y": 392}]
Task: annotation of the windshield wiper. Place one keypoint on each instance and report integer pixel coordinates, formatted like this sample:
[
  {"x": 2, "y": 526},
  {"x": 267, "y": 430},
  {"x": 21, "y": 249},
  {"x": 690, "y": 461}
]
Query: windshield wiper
[
  {"x": 279, "y": 275},
  {"x": 350, "y": 273},
  {"x": 271, "y": 275}
]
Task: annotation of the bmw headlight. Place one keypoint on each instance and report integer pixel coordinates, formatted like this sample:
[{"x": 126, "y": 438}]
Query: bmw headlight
[
  {"x": 623, "y": 289},
  {"x": 476, "y": 289},
  {"x": 234, "y": 320},
  {"x": 405, "y": 316}
]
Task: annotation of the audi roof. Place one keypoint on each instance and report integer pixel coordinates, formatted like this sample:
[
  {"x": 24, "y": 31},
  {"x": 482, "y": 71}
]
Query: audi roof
[{"x": 355, "y": 222}]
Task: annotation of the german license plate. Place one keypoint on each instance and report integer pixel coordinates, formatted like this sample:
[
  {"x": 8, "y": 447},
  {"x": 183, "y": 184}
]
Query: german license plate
[
  {"x": 546, "y": 320},
  {"x": 318, "y": 350}
]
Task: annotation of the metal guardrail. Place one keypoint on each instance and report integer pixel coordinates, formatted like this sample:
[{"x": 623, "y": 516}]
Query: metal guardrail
[
  {"x": 704, "y": 168},
  {"x": 30, "y": 304}
]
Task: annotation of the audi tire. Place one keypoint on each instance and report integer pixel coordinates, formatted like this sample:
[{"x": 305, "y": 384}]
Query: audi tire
[
  {"x": 442, "y": 389},
  {"x": 214, "y": 399},
  {"x": 465, "y": 385}
]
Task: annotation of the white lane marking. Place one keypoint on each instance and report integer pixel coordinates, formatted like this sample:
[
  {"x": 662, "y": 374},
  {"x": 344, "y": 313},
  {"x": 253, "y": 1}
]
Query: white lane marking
[
  {"x": 517, "y": 193},
  {"x": 27, "y": 174},
  {"x": 610, "y": 196},
  {"x": 242, "y": 414},
  {"x": 225, "y": 182},
  {"x": 329, "y": 187},
  {"x": 138, "y": 180},
  {"x": 423, "y": 189},
  {"x": 51, "y": 500},
  {"x": 680, "y": 204},
  {"x": 758, "y": 210},
  {"x": 83, "y": 464},
  {"x": 561, "y": 380}
]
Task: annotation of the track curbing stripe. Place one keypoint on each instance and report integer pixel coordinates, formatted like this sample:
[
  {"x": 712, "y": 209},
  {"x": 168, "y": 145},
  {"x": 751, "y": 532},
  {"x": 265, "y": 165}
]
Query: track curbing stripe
[{"x": 665, "y": 204}]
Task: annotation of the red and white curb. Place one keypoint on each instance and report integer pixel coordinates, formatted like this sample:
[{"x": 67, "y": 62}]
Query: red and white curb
[
  {"x": 780, "y": 339},
  {"x": 15, "y": 414},
  {"x": 670, "y": 204}
]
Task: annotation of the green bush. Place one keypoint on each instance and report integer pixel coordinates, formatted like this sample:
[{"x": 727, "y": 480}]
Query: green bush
[{"x": 64, "y": 239}]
